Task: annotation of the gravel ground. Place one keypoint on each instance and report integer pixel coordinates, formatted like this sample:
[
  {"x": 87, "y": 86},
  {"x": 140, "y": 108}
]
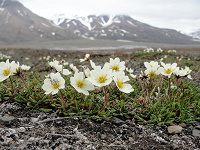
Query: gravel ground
[{"x": 23, "y": 128}]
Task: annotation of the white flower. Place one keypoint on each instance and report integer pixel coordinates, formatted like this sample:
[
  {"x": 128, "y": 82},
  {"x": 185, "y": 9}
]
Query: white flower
[
  {"x": 14, "y": 67},
  {"x": 65, "y": 63},
  {"x": 25, "y": 67},
  {"x": 53, "y": 83},
  {"x": 179, "y": 72},
  {"x": 120, "y": 79},
  {"x": 92, "y": 64},
  {"x": 187, "y": 69},
  {"x": 182, "y": 72},
  {"x": 167, "y": 69},
  {"x": 101, "y": 77},
  {"x": 66, "y": 72},
  {"x": 133, "y": 76},
  {"x": 87, "y": 57},
  {"x": 73, "y": 68},
  {"x": 129, "y": 70},
  {"x": 56, "y": 65},
  {"x": 151, "y": 64},
  {"x": 115, "y": 65},
  {"x": 5, "y": 70},
  {"x": 81, "y": 84},
  {"x": 152, "y": 70},
  {"x": 87, "y": 72}
]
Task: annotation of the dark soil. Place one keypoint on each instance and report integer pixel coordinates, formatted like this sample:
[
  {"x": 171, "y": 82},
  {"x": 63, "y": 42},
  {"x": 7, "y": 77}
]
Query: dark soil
[{"x": 24, "y": 128}]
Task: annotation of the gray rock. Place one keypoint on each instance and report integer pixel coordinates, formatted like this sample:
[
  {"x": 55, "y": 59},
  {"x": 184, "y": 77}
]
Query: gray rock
[
  {"x": 198, "y": 127},
  {"x": 130, "y": 139},
  {"x": 182, "y": 125},
  {"x": 103, "y": 136},
  {"x": 21, "y": 129},
  {"x": 196, "y": 132},
  {"x": 174, "y": 129},
  {"x": 117, "y": 121},
  {"x": 6, "y": 119}
]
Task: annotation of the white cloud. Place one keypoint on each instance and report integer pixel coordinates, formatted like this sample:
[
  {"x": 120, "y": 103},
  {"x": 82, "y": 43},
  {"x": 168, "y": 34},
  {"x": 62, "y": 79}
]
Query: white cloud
[{"x": 177, "y": 14}]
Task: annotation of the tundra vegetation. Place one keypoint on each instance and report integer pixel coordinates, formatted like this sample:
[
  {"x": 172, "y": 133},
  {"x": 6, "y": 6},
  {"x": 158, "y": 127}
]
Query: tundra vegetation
[{"x": 163, "y": 93}]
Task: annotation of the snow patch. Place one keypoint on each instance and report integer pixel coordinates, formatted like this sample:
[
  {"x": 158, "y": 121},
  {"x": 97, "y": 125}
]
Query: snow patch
[
  {"x": 7, "y": 17},
  {"x": 124, "y": 31},
  {"x": 91, "y": 38},
  {"x": 68, "y": 25},
  {"x": 45, "y": 25},
  {"x": 103, "y": 34},
  {"x": 53, "y": 33},
  {"x": 76, "y": 31},
  {"x": 116, "y": 20},
  {"x": 134, "y": 34},
  {"x": 124, "y": 40},
  {"x": 86, "y": 21},
  {"x": 1, "y": 10},
  {"x": 2, "y": 3},
  {"x": 167, "y": 34},
  {"x": 20, "y": 12},
  {"x": 83, "y": 36},
  {"x": 131, "y": 23},
  {"x": 31, "y": 27},
  {"x": 109, "y": 22},
  {"x": 74, "y": 23}
]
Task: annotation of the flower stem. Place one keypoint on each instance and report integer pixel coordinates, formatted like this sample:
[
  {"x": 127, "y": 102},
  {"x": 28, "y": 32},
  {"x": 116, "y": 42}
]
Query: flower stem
[
  {"x": 63, "y": 101},
  {"x": 73, "y": 96},
  {"x": 106, "y": 99},
  {"x": 169, "y": 86},
  {"x": 177, "y": 87},
  {"x": 23, "y": 81},
  {"x": 11, "y": 85}
]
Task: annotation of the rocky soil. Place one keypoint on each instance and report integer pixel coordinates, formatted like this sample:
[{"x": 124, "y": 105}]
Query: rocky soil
[{"x": 23, "y": 128}]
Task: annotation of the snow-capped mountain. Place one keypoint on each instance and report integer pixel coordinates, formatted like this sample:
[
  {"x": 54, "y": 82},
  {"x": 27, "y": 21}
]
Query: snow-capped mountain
[
  {"x": 195, "y": 35},
  {"x": 18, "y": 24},
  {"x": 119, "y": 27}
]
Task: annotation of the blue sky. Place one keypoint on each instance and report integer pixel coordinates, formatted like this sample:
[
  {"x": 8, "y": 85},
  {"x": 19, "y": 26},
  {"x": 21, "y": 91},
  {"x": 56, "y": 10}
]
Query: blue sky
[{"x": 182, "y": 15}]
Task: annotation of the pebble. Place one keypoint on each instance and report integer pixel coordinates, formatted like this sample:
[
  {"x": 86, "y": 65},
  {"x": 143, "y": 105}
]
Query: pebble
[
  {"x": 182, "y": 125},
  {"x": 6, "y": 119},
  {"x": 34, "y": 119},
  {"x": 103, "y": 136},
  {"x": 130, "y": 139},
  {"x": 117, "y": 121},
  {"x": 198, "y": 127},
  {"x": 174, "y": 129},
  {"x": 21, "y": 129},
  {"x": 196, "y": 132},
  {"x": 175, "y": 146}
]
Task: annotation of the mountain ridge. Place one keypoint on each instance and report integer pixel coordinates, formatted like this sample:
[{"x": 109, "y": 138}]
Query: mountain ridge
[
  {"x": 18, "y": 24},
  {"x": 119, "y": 27}
]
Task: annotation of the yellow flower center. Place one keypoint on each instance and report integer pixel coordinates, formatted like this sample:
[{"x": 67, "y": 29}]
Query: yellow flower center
[
  {"x": 56, "y": 84},
  {"x": 80, "y": 83},
  {"x": 168, "y": 70},
  {"x": 120, "y": 84},
  {"x": 115, "y": 67},
  {"x": 102, "y": 79},
  {"x": 152, "y": 74},
  {"x": 6, "y": 72},
  {"x": 86, "y": 58}
]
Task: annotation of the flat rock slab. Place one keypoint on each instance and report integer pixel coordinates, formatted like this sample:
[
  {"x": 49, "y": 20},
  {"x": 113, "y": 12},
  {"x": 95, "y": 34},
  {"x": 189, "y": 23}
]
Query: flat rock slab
[
  {"x": 6, "y": 119},
  {"x": 196, "y": 132},
  {"x": 174, "y": 129}
]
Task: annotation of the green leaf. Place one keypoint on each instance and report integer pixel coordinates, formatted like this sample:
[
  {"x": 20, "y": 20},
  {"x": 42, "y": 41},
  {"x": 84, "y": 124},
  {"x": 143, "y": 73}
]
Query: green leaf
[
  {"x": 45, "y": 110},
  {"x": 90, "y": 104}
]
